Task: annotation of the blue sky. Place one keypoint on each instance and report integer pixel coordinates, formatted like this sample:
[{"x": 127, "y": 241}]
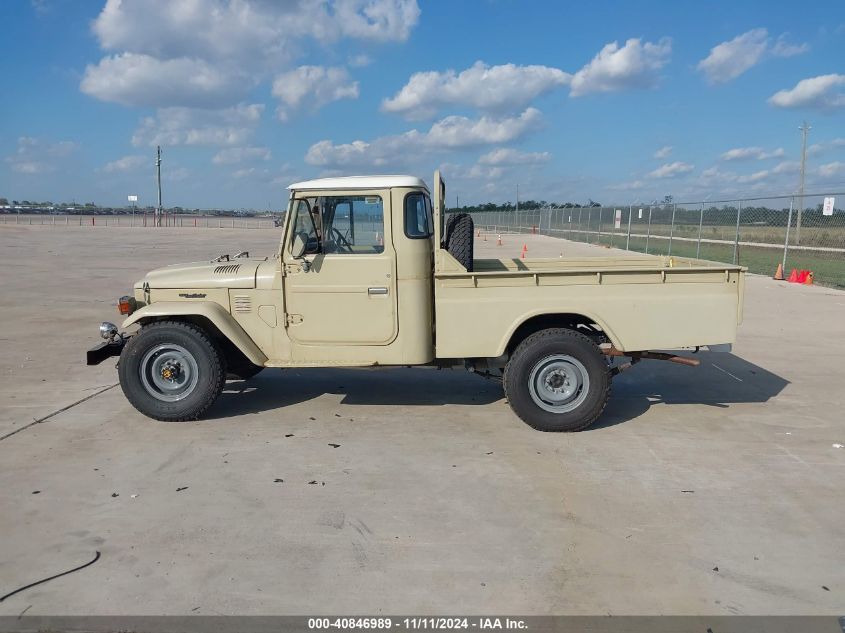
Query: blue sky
[{"x": 614, "y": 101}]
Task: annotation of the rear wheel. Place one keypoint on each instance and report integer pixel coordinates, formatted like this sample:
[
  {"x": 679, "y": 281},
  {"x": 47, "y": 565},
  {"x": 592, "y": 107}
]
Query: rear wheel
[
  {"x": 557, "y": 380},
  {"x": 172, "y": 371}
]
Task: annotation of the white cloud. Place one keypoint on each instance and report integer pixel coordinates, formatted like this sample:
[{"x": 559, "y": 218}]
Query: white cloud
[
  {"x": 458, "y": 131},
  {"x": 714, "y": 175},
  {"x": 210, "y": 53},
  {"x": 663, "y": 152},
  {"x": 670, "y": 170},
  {"x": 360, "y": 60},
  {"x": 730, "y": 59},
  {"x": 35, "y": 156},
  {"x": 832, "y": 170},
  {"x": 234, "y": 155},
  {"x": 782, "y": 48},
  {"x": 453, "y": 132},
  {"x": 312, "y": 87},
  {"x": 755, "y": 177},
  {"x": 188, "y": 126},
  {"x": 786, "y": 167},
  {"x": 141, "y": 80},
  {"x": 503, "y": 88},
  {"x": 127, "y": 163},
  {"x": 755, "y": 153},
  {"x": 614, "y": 68},
  {"x": 508, "y": 156},
  {"x": 826, "y": 146},
  {"x": 816, "y": 92}
]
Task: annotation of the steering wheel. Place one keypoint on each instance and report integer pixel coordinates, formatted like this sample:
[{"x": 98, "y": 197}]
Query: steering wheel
[{"x": 340, "y": 241}]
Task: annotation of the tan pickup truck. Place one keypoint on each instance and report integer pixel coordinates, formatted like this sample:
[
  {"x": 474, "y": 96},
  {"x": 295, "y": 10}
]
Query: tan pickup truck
[{"x": 370, "y": 272}]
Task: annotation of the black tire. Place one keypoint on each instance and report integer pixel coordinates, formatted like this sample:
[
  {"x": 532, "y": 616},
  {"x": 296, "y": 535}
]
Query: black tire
[
  {"x": 459, "y": 238},
  {"x": 563, "y": 370},
  {"x": 183, "y": 350}
]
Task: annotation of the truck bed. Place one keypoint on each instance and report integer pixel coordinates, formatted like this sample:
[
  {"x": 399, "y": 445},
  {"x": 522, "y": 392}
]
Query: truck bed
[{"x": 642, "y": 302}]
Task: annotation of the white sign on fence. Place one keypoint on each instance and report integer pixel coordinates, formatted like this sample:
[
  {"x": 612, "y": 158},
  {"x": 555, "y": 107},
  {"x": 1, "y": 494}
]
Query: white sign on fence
[
  {"x": 132, "y": 198},
  {"x": 827, "y": 209},
  {"x": 617, "y": 224},
  {"x": 640, "y": 216}
]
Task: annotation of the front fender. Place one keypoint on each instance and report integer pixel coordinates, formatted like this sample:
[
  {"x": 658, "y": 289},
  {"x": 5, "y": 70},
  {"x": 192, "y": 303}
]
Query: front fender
[{"x": 214, "y": 312}]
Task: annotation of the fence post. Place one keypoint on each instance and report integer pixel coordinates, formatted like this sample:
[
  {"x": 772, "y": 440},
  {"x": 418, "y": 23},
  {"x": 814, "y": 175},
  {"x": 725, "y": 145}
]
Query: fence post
[
  {"x": 700, "y": 222},
  {"x": 736, "y": 233},
  {"x": 672, "y": 228},
  {"x": 598, "y": 237},
  {"x": 628, "y": 238},
  {"x": 786, "y": 239},
  {"x": 648, "y": 231}
]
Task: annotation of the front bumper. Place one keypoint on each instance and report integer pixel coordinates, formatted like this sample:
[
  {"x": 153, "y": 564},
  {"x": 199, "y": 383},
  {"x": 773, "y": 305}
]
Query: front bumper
[{"x": 104, "y": 350}]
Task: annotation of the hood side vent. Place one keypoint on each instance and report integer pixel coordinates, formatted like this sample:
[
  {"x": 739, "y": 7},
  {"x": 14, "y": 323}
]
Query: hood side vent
[{"x": 229, "y": 269}]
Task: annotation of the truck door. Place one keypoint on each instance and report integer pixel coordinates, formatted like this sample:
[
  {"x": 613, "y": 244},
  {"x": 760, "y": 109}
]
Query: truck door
[{"x": 342, "y": 290}]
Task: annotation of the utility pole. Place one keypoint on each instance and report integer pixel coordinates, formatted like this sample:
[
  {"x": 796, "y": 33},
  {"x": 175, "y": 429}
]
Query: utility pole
[
  {"x": 805, "y": 128},
  {"x": 517, "y": 199},
  {"x": 158, "y": 179}
]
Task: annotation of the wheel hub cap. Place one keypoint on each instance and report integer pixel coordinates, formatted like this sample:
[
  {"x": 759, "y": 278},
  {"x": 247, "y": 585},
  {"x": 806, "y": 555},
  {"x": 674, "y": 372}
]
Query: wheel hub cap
[
  {"x": 169, "y": 372},
  {"x": 559, "y": 383}
]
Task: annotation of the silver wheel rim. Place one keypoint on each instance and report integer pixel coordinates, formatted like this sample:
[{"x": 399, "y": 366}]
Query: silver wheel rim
[
  {"x": 169, "y": 372},
  {"x": 559, "y": 383}
]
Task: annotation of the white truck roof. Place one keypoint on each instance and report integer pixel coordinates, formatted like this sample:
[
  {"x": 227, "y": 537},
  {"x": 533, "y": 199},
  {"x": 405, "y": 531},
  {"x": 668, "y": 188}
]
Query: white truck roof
[{"x": 360, "y": 182}]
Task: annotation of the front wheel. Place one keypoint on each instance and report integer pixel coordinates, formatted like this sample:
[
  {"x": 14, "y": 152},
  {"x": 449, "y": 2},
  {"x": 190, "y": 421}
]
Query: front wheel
[
  {"x": 172, "y": 371},
  {"x": 557, "y": 380}
]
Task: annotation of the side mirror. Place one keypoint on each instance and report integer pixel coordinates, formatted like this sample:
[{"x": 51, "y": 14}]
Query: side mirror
[{"x": 300, "y": 243}]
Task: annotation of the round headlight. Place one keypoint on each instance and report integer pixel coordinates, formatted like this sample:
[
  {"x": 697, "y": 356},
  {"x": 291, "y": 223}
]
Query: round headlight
[{"x": 108, "y": 330}]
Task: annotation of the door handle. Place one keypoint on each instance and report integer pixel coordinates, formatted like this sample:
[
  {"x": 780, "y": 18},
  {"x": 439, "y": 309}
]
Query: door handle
[{"x": 376, "y": 291}]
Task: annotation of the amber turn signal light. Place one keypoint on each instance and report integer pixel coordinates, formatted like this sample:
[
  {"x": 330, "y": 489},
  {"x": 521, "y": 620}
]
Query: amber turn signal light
[{"x": 126, "y": 305}]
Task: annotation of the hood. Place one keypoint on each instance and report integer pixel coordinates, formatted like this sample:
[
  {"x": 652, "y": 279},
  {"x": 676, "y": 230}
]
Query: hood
[{"x": 237, "y": 273}]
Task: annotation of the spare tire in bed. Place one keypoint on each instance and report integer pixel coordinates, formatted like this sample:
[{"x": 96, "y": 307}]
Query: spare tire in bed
[{"x": 459, "y": 238}]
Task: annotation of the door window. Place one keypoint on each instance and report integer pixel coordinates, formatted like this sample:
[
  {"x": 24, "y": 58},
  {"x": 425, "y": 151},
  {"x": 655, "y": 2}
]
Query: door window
[{"x": 351, "y": 225}]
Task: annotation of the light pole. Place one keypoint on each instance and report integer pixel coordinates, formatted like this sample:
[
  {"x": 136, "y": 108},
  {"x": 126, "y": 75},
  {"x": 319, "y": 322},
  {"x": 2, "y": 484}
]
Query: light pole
[
  {"x": 805, "y": 129},
  {"x": 158, "y": 179}
]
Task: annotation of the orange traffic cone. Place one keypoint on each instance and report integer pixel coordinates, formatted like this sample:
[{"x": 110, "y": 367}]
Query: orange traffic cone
[
  {"x": 499, "y": 240},
  {"x": 802, "y": 276},
  {"x": 524, "y": 248},
  {"x": 793, "y": 277},
  {"x": 479, "y": 233},
  {"x": 522, "y": 255},
  {"x": 779, "y": 273},
  {"x": 809, "y": 280}
]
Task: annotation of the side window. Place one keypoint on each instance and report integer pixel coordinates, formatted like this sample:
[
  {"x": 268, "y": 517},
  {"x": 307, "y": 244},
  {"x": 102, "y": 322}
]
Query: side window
[
  {"x": 352, "y": 225},
  {"x": 305, "y": 226},
  {"x": 418, "y": 223}
]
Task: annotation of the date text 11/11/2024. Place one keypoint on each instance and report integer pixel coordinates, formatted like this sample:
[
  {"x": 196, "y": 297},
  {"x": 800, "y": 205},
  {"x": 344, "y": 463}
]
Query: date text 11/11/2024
[{"x": 417, "y": 623}]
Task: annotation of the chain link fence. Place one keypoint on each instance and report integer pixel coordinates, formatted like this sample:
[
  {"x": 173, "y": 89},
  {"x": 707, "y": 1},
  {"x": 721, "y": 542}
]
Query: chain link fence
[
  {"x": 141, "y": 220},
  {"x": 795, "y": 231}
]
